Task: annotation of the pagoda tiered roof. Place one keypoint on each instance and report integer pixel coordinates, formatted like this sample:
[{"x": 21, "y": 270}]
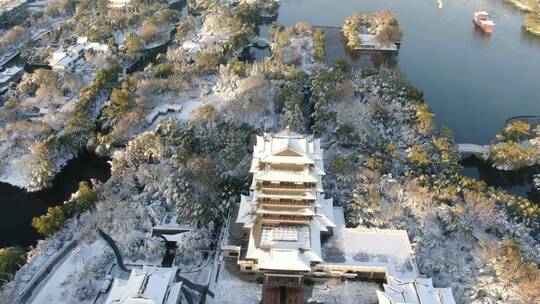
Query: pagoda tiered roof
[{"x": 286, "y": 210}]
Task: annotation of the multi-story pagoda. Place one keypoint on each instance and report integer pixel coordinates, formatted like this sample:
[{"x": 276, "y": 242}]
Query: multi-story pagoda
[
  {"x": 286, "y": 212},
  {"x": 285, "y": 216}
]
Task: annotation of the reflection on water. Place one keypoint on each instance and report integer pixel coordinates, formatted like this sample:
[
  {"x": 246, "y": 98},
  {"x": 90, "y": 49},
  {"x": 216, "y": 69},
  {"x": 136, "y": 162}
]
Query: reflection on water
[
  {"x": 20, "y": 206},
  {"x": 515, "y": 182}
]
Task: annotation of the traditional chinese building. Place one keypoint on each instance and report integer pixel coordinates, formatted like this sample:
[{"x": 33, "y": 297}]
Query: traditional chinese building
[
  {"x": 285, "y": 216},
  {"x": 286, "y": 212}
]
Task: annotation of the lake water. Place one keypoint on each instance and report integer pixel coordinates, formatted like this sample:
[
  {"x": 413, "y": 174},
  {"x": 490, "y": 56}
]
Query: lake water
[
  {"x": 472, "y": 82},
  {"x": 20, "y": 206}
]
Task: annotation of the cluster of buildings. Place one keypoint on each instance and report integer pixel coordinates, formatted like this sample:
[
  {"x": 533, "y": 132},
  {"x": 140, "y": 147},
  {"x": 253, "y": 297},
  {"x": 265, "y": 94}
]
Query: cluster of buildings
[
  {"x": 293, "y": 232},
  {"x": 11, "y": 9},
  {"x": 71, "y": 58},
  {"x": 8, "y": 75}
]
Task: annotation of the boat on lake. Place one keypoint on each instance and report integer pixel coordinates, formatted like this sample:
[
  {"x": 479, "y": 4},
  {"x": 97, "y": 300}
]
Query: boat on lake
[{"x": 481, "y": 19}]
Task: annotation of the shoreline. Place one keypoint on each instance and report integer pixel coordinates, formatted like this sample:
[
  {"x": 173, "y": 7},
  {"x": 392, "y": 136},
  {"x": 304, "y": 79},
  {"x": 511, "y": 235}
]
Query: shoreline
[{"x": 520, "y": 6}]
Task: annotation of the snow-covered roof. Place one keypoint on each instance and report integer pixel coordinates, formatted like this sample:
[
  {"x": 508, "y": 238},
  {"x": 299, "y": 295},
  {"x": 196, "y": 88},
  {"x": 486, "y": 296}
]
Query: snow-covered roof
[
  {"x": 305, "y": 195},
  {"x": 82, "y": 40},
  {"x": 152, "y": 285},
  {"x": 285, "y": 236},
  {"x": 280, "y": 159},
  {"x": 416, "y": 291},
  {"x": 285, "y": 259},
  {"x": 305, "y": 176},
  {"x": 287, "y": 144},
  {"x": 8, "y": 73},
  {"x": 296, "y": 211},
  {"x": 368, "y": 39},
  {"x": 371, "y": 247},
  {"x": 282, "y": 233},
  {"x": 246, "y": 210}
]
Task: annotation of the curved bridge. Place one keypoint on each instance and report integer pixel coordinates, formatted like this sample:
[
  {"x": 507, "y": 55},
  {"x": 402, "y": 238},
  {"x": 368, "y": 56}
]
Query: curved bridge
[
  {"x": 472, "y": 149},
  {"x": 530, "y": 119},
  {"x": 260, "y": 42}
]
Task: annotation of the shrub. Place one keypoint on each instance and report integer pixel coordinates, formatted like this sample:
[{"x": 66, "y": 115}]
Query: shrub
[
  {"x": 516, "y": 131},
  {"x": 511, "y": 154},
  {"x": 532, "y": 22},
  {"x": 84, "y": 199},
  {"x": 120, "y": 102},
  {"x": 424, "y": 118},
  {"x": 133, "y": 44},
  {"x": 419, "y": 157},
  {"x": 149, "y": 32},
  {"x": 11, "y": 259},
  {"x": 319, "y": 37},
  {"x": 183, "y": 29},
  {"x": 238, "y": 67},
  {"x": 164, "y": 70}
]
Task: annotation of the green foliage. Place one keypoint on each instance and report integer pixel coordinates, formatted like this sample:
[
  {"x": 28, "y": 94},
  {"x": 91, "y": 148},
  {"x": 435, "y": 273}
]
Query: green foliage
[
  {"x": 121, "y": 102},
  {"x": 51, "y": 222},
  {"x": 419, "y": 157},
  {"x": 516, "y": 131},
  {"x": 12, "y": 103},
  {"x": 512, "y": 155},
  {"x": 248, "y": 12},
  {"x": 293, "y": 117},
  {"x": 238, "y": 67},
  {"x": 84, "y": 199},
  {"x": 319, "y": 38},
  {"x": 11, "y": 259},
  {"x": 424, "y": 118},
  {"x": 290, "y": 93},
  {"x": 238, "y": 41},
  {"x": 532, "y": 22},
  {"x": 343, "y": 67},
  {"x": 412, "y": 93},
  {"x": 78, "y": 128},
  {"x": 324, "y": 91},
  {"x": 183, "y": 29},
  {"x": 133, "y": 44},
  {"x": 163, "y": 70},
  {"x": 208, "y": 61},
  {"x": 366, "y": 72},
  {"x": 345, "y": 133}
]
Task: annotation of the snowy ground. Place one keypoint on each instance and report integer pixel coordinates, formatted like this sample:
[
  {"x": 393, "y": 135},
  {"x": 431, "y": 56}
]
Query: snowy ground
[
  {"x": 344, "y": 292},
  {"x": 234, "y": 287},
  {"x": 60, "y": 286}
]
